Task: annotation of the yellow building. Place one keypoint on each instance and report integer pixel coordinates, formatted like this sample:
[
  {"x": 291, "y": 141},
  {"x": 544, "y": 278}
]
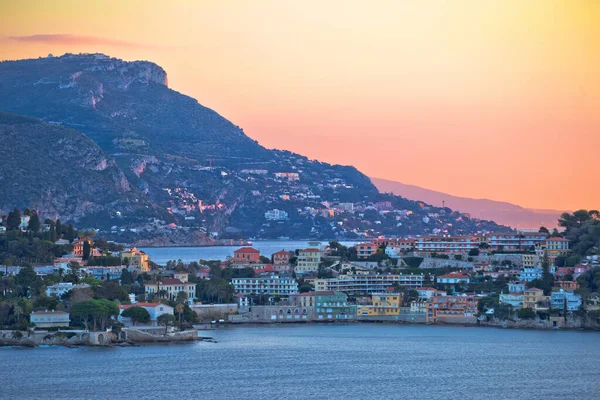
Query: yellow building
[
  {"x": 137, "y": 259},
  {"x": 530, "y": 260},
  {"x": 532, "y": 297},
  {"x": 381, "y": 304}
]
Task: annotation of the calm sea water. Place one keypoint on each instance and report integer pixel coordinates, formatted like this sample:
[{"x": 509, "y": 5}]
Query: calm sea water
[
  {"x": 161, "y": 255},
  {"x": 319, "y": 361}
]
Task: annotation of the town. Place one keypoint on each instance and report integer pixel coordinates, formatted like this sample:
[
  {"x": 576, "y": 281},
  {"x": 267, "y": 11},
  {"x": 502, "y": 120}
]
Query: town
[{"x": 80, "y": 283}]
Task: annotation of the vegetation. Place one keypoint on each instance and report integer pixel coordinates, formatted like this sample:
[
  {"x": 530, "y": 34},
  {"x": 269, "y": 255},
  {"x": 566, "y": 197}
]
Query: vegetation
[{"x": 137, "y": 314}]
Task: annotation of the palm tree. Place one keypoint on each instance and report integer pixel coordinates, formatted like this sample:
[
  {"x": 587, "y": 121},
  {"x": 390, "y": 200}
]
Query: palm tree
[{"x": 179, "y": 310}]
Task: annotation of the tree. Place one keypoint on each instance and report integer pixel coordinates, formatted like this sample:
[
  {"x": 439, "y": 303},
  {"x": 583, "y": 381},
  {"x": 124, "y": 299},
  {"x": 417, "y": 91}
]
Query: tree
[
  {"x": 126, "y": 277},
  {"x": 34, "y": 223},
  {"x": 59, "y": 228},
  {"x": 543, "y": 229},
  {"x": 137, "y": 314},
  {"x": 111, "y": 290},
  {"x": 86, "y": 250},
  {"x": 166, "y": 320},
  {"x": 179, "y": 308},
  {"x": 13, "y": 220},
  {"x": 70, "y": 234},
  {"x": 474, "y": 252},
  {"x": 526, "y": 313}
]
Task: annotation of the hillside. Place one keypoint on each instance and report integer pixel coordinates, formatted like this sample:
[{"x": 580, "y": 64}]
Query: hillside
[
  {"x": 198, "y": 171},
  {"x": 61, "y": 171},
  {"x": 499, "y": 211}
]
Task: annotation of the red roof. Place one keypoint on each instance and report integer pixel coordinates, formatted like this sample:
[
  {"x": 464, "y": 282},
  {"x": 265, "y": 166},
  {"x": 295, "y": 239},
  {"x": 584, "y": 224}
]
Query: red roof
[
  {"x": 425, "y": 288},
  {"x": 247, "y": 250},
  {"x": 311, "y": 249},
  {"x": 282, "y": 252},
  {"x": 173, "y": 281},
  {"x": 533, "y": 289},
  {"x": 556, "y": 239}
]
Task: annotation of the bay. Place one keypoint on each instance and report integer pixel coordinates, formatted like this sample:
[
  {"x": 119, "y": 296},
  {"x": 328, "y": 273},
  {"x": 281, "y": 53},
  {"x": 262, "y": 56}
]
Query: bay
[
  {"x": 319, "y": 361},
  {"x": 161, "y": 255}
]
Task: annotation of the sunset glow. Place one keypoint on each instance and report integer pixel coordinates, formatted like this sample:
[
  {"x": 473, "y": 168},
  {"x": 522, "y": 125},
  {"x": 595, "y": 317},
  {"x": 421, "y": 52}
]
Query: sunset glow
[{"x": 483, "y": 99}]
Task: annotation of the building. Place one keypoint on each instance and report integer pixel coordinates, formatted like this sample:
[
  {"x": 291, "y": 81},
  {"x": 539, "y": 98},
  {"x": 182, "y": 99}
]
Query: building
[
  {"x": 516, "y": 287},
  {"x": 269, "y": 285},
  {"x": 446, "y": 244},
  {"x": 530, "y": 260},
  {"x": 137, "y": 259},
  {"x": 103, "y": 273},
  {"x": 519, "y": 241},
  {"x": 372, "y": 283},
  {"x": 24, "y": 225},
  {"x": 453, "y": 278},
  {"x": 246, "y": 255},
  {"x": 282, "y": 257},
  {"x": 50, "y": 319},
  {"x": 426, "y": 293},
  {"x": 530, "y": 274},
  {"x": 533, "y": 296},
  {"x": 308, "y": 260},
  {"x": 333, "y": 306},
  {"x": 290, "y": 176},
  {"x": 556, "y": 246},
  {"x": 561, "y": 299},
  {"x": 567, "y": 286},
  {"x": 512, "y": 299},
  {"x": 170, "y": 288},
  {"x": 276, "y": 215},
  {"x": 78, "y": 248},
  {"x": 154, "y": 309},
  {"x": 452, "y": 309},
  {"x": 59, "y": 289},
  {"x": 382, "y": 304},
  {"x": 366, "y": 250}
]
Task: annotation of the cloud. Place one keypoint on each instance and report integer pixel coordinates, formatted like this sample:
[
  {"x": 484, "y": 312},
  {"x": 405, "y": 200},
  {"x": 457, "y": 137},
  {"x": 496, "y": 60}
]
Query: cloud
[{"x": 68, "y": 39}]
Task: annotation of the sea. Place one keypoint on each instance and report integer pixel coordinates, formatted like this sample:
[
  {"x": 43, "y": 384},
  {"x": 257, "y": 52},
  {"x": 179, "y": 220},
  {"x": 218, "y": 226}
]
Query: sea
[
  {"x": 161, "y": 255},
  {"x": 318, "y": 361}
]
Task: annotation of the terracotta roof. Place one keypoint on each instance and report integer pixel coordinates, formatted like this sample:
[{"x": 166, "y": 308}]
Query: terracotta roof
[
  {"x": 425, "y": 288},
  {"x": 173, "y": 281},
  {"x": 246, "y": 250},
  {"x": 311, "y": 249},
  {"x": 282, "y": 252},
  {"x": 533, "y": 289},
  {"x": 556, "y": 239}
]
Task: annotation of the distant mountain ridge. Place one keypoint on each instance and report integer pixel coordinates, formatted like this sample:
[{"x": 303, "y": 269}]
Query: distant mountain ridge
[
  {"x": 502, "y": 212},
  {"x": 187, "y": 167}
]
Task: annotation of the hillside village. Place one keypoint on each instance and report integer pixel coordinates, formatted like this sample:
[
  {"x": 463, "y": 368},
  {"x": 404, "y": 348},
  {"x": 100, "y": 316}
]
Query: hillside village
[{"x": 54, "y": 277}]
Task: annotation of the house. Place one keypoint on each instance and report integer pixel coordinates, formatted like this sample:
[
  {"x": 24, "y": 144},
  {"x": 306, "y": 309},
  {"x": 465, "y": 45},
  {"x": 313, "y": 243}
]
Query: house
[
  {"x": 561, "y": 300},
  {"x": 512, "y": 299},
  {"x": 515, "y": 241},
  {"x": 242, "y": 300},
  {"x": 104, "y": 273},
  {"x": 533, "y": 296},
  {"x": 452, "y": 309},
  {"x": 333, "y": 306},
  {"x": 366, "y": 250},
  {"x": 563, "y": 272},
  {"x": 567, "y": 286},
  {"x": 282, "y": 257},
  {"x": 446, "y": 244},
  {"x": 50, "y": 319},
  {"x": 426, "y": 293},
  {"x": 382, "y": 304},
  {"x": 170, "y": 288},
  {"x": 516, "y": 287},
  {"x": 530, "y": 274},
  {"x": 246, "y": 255},
  {"x": 592, "y": 302},
  {"x": 59, "y": 289},
  {"x": 453, "y": 278},
  {"x": 308, "y": 260},
  {"x": 24, "y": 225},
  {"x": 136, "y": 259},
  {"x": 154, "y": 309},
  {"x": 556, "y": 246},
  {"x": 78, "y": 248}
]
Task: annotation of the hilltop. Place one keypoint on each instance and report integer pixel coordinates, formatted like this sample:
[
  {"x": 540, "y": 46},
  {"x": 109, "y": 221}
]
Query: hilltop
[{"x": 192, "y": 169}]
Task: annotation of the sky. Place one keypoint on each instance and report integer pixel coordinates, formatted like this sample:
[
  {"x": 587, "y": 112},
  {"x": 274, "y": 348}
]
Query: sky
[{"x": 496, "y": 99}]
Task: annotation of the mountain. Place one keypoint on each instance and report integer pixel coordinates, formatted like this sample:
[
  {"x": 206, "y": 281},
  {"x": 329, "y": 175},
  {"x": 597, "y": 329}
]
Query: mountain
[
  {"x": 192, "y": 169},
  {"x": 499, "y": 211},
  {"x": 73, "y": 176}
]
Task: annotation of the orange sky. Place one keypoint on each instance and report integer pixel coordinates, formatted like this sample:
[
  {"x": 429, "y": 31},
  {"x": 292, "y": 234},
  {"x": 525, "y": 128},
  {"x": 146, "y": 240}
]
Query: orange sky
[{"x": 497, "y": 99}]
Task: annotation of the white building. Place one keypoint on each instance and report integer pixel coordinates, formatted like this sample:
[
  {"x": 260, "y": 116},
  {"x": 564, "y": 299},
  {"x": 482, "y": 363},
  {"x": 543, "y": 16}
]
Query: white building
[
  {"x": 276, "y": 215},
  {"x": 372, "y": 283},
  {"x": 269, "y": 285},
  {"x": 59, "y": 289},
  {"x": 308, "y": 260},
  {"x": 513, "y": 299},
  {"x": 50, "y": 319},
  {"x": 154, "y": 309},
  {"x": 453, "y": 278}
]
